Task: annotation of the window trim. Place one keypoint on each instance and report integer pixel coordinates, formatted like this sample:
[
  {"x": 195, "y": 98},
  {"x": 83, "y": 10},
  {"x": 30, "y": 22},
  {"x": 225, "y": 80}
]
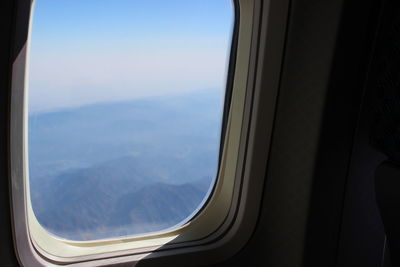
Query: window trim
[{"x": 247, "y": 175}]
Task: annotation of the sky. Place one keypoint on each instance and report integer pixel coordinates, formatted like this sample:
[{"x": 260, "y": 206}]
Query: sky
[{"x": 89, "y": 51}]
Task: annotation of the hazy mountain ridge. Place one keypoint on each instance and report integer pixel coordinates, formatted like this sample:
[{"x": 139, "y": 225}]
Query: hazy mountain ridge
[
  {"x": 126, "y": 168},
  {"x": 97, "y": 133},
  {"x": 150, "y": 208}
]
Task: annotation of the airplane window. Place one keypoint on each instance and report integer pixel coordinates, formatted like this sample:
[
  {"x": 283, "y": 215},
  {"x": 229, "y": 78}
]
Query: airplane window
[{"x": 125, "y": 108}]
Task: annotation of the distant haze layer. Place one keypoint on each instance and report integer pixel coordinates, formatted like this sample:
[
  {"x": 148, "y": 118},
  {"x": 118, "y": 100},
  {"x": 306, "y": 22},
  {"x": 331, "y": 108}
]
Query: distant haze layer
[{"x": 90, "y": 51}]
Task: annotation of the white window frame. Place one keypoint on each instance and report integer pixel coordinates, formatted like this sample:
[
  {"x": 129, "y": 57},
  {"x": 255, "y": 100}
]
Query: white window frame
[{"x": 226, "y": 223}]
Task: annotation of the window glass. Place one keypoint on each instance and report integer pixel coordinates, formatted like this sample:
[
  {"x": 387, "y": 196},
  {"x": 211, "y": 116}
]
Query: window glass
[{"x": 126, "y": 100}]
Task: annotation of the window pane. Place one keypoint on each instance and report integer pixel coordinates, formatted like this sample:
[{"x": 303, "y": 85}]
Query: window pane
[{"x": 125, "y": 112}]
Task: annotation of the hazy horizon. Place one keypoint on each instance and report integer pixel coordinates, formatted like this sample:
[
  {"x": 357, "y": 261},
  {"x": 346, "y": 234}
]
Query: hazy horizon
[
  {"x": 61, "y": 108},
  {"x": 108, "y": 54}
]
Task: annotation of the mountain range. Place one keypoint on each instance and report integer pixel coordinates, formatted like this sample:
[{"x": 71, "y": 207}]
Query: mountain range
[{"x": 125, "y": 168}]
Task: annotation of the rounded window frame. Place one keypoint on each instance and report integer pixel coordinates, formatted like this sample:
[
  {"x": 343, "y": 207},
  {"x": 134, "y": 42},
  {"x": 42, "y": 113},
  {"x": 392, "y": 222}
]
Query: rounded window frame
[{"x": 211, "y": 228}]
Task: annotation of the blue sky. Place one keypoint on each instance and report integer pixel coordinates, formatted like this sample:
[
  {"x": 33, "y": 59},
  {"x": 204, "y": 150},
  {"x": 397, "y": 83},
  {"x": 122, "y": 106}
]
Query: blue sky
[{"x": 88, "y": 51}]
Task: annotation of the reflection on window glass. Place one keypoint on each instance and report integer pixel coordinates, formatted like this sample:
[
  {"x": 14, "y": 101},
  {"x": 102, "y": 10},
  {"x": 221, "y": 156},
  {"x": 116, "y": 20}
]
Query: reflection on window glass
[{"x": 125, "y": 112}]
